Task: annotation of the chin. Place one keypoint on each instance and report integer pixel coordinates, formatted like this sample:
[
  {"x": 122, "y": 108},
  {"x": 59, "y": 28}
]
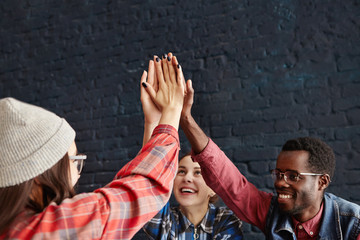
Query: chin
[
  {"x": 291, "y": 211},
  {"x": 185, "y": 202}
]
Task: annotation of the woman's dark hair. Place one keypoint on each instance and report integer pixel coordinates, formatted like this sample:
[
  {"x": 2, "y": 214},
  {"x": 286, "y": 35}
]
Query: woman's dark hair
[
  {"x": 55, "y": 184},
  {"x": 321, "y": 156}
]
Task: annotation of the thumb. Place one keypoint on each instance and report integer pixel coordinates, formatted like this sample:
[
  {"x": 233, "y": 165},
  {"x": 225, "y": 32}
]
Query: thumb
[
  {"x": 189, "y": 97},
  {"x": 189, "y": 87},
  {"x": 143, "y": 79},
  {"x": 150, "y": 90}
]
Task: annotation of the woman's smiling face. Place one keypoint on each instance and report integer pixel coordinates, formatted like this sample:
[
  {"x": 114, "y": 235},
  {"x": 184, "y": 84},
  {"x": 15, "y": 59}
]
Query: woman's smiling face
[{"x": 190, "y": 188}]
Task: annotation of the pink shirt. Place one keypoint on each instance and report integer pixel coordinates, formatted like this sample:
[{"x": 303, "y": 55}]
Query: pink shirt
[
  {"x": 242, "y": 197},
  {"x": 310, "y": 229}
]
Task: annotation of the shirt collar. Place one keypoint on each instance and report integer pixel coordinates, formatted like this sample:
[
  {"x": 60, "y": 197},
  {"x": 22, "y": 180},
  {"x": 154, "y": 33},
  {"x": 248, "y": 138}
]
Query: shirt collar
[
  {"x": 206, "y": 223},
  {"x": 312, "y": 225}
]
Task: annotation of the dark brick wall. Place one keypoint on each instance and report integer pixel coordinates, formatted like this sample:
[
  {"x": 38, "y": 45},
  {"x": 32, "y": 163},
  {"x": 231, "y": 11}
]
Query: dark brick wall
[{"x": 263, "y": 72}]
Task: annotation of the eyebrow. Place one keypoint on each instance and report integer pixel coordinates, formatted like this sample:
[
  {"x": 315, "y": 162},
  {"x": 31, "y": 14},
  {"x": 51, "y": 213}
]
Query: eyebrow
[
  {"x": 291, "y": 170},
  {"x": 186, "y": 168}
]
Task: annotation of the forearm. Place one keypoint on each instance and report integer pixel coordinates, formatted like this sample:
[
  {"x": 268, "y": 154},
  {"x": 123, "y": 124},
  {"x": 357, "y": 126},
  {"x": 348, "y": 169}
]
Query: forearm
[
  {"x": 171, "y": 116},
  {"x": 194, "y": 133},
  {"x": 148, "y": 179},
  {"x": 148, "y": 130},
  {"x": 221, "y": 175}
]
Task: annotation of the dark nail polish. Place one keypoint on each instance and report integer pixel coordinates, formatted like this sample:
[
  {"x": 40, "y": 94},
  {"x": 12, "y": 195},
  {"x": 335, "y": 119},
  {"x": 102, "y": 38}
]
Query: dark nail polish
[
  {"x": 164, "y": 56},
  {"x": 169, "y": 58},
  {"x": 157, "y": 59},
  {"x": 144, "y": 84},
  {"x": 178, "y": 65}
]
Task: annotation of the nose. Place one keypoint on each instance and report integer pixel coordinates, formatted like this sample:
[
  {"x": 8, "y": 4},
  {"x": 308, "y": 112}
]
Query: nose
[
  {"x": 188, "y": 178},
  {"x": 280, "y": 183}
]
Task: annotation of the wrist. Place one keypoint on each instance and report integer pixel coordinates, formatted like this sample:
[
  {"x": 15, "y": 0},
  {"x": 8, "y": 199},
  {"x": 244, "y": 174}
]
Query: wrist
[
  {"x": 151, "y": 123},
  {"x": 171, "y": 116},
  {"x": 186, "y": 119}
]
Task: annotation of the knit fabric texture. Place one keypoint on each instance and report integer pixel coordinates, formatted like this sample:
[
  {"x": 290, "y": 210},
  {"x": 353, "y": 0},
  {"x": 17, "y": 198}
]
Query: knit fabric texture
[{"x": 32, "y": 140}]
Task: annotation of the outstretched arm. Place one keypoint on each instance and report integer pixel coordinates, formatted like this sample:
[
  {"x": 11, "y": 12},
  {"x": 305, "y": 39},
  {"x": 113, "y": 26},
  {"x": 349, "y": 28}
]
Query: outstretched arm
[
  {"x": 220, "y": 174},
  {"x": 193, "y": 132},
  {"x": 139, "y": 190}
]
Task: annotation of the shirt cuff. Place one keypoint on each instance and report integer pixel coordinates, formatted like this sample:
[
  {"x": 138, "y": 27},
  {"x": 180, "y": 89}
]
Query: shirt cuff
[
  {"x": 204, "y": 153},
  {"x": 165, "y": 128}
]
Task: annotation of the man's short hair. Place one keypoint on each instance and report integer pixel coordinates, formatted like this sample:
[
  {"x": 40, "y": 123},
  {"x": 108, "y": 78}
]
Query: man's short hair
[{"x": 321, "y": 155}]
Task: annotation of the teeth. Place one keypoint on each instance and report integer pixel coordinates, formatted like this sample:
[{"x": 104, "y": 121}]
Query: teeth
[
  {"x": 284, "y": 196},
  {"x": 188, "y": 190}
]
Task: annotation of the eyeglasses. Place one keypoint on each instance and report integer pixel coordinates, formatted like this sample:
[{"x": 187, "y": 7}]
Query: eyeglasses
[
  {"x": 78, "y": 160},
  {"x": 290, "y": 177}
]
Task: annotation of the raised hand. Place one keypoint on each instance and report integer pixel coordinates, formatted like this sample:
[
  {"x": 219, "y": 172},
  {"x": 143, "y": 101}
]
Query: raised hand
[
  {"x": 169, "y": 97},
  {"x": 152, "y": 114},
  {"x": 188, "y": 100}
]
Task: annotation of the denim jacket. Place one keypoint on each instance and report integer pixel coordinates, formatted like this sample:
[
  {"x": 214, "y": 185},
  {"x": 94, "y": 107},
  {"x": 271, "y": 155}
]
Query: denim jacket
[{"x": 340, "y": 220}]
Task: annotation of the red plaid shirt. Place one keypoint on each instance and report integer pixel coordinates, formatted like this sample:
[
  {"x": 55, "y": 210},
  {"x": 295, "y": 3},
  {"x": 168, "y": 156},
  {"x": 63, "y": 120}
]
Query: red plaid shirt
[{"x": 117, "y": 211}]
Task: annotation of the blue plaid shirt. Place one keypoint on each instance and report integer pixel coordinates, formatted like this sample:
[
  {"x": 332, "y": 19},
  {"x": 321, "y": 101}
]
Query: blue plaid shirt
[{"x": 218, "y": 223}]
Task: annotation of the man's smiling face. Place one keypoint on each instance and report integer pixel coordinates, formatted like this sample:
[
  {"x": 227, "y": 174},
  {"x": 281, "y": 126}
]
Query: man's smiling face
[{"x": 303, "y": 198}]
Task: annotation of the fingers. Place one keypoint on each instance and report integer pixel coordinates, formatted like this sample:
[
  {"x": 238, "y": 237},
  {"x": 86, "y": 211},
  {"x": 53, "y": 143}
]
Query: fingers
[
  {"x": 143, "y": 77},
  {"x": 189, "y": 92},
  {"x": 159, "y": 71},
  {"x": 149, "y": 89},
  {"x": 179, "y": 73},
  {"x": 172, "y": 71},
  {"x": 189, "y": 87},
  {"x": 142, "y": 90},
  {"x": 165, "y": 67},
  {"x": 152, "y": 79},
  {"x": 151, "y": 70}
]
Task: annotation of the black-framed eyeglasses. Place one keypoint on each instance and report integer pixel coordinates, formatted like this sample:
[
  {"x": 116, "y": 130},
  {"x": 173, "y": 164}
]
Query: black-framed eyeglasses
[
  {"x": 79, "y": 161},
  {"x": 290, "y": 177}
]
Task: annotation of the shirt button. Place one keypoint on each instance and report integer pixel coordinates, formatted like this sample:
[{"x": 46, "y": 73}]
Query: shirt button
[
  {"x": 311, "y": 233},
  {"x": 300, "y": 227}
]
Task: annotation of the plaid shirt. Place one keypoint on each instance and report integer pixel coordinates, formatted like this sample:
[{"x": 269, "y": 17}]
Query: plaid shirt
[
  {"x": 118, "y": 210},
  {"x": 218, "y": 223}
]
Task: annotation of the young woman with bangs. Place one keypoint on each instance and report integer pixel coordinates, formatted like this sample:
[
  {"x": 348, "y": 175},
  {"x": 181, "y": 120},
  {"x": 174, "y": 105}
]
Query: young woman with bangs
[{"x": 195, "y": 217}]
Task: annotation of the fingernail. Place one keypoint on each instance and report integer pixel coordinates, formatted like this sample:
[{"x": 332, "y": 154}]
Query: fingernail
[
  {"x": 157, "y": 59},
  {"x": 164, "y": 56},
  {"x": 169, "y": 58},
  {"x": 178, "y": 65},
  {"x": 144, "y": 84}
]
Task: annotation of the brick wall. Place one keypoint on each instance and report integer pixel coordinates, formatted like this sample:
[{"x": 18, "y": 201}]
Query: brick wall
[{"x": 263, "y": 72}]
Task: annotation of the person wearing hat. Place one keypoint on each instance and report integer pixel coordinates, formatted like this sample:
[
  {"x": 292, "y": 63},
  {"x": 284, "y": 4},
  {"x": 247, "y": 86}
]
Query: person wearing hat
[{"x": 39, "y": 165}]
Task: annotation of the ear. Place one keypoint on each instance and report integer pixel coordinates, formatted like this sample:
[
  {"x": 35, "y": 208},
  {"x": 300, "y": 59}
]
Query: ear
[{"x": 324, "y": 181}]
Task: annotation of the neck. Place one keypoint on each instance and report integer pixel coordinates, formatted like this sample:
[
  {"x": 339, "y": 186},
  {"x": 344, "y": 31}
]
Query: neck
[
  {"x": 309, "y": 214},
  {"x": 195, "y": 214}
]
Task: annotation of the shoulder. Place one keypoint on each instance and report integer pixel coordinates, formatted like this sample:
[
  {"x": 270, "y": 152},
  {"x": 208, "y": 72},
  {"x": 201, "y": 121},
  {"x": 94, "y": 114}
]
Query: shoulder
[
  {"x": 222, "y": 214},
  {"x": 225, "y": 223},
  {"x": 346, "y": 208}
]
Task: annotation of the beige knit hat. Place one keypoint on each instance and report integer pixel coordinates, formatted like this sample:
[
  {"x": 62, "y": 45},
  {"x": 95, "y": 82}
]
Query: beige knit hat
[{"x": 32, "y": 140}]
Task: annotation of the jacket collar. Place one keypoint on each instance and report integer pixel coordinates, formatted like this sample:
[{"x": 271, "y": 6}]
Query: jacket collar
[{"x": 330, "y": 220}]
